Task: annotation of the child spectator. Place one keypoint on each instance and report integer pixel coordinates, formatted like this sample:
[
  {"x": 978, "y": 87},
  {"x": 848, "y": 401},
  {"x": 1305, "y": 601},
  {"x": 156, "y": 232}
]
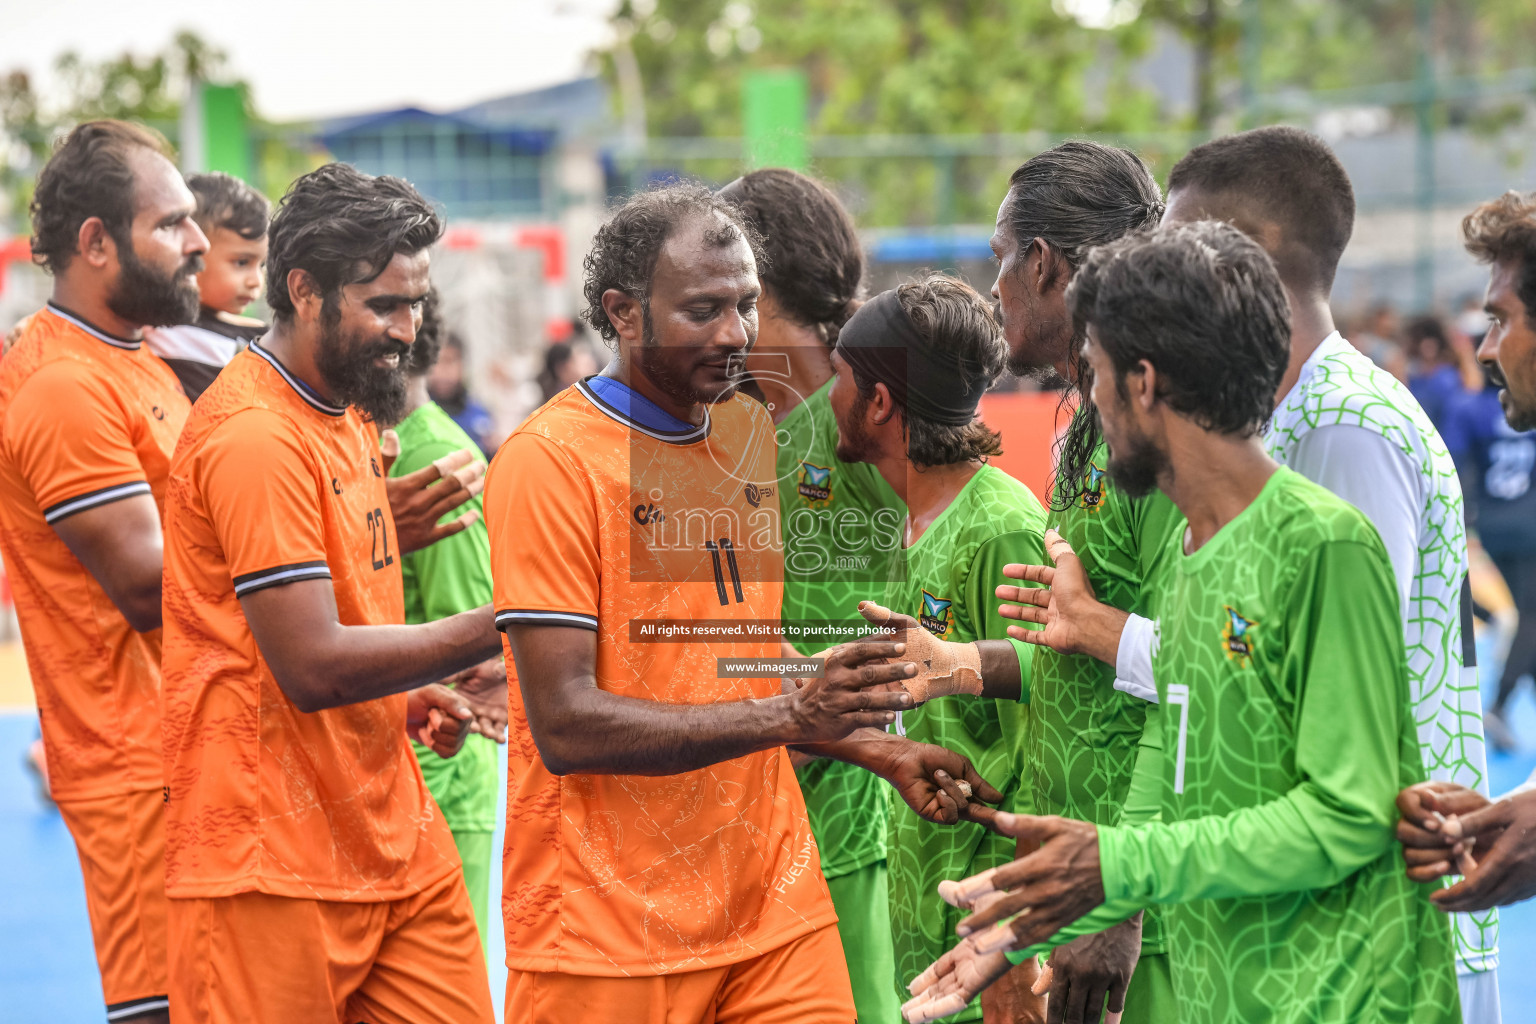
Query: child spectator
[{"x": 234, "y": 217}]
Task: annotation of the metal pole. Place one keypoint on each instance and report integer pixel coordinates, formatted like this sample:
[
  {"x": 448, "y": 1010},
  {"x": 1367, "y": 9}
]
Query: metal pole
[
  {"x": 1424, "y": 104},
  {"x": 1253, "y": 46}
]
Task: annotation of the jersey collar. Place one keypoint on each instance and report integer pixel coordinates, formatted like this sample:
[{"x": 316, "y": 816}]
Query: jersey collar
[
  {"x": 618, "y": 401},
  {"x": 1324, "y": 348},
  {"x": 91, "y": 329},
  {"x": 304, "y": 390}
]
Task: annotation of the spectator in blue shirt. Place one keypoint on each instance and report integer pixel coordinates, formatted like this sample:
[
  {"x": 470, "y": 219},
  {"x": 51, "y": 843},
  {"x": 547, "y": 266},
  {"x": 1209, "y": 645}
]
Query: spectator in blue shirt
[{"x": 1435, "y": 378}]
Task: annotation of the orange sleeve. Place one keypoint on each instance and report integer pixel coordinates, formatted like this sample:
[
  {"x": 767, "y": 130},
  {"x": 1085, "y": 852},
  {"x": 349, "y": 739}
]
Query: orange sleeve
[
  {"x": 263, "y": 494},
  {"x": 71, "y": 440},
  {"x": 542, "y": 515}
]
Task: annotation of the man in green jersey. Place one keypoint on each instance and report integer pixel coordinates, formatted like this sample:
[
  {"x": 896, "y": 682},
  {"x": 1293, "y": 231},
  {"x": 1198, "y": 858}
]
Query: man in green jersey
[
  {"x": 840, "y": 524},
  {"x": 1082, "y": 734},
  {"x": 965, "y": 521},
  {"x": 1282, "y": 670},
  {"x": 1345, "y": 424},
  {"x": 449, "y": 577}
]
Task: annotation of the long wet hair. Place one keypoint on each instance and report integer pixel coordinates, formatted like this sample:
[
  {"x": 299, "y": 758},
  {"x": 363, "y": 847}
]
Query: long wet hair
[{"x": 1077, "y": 196}]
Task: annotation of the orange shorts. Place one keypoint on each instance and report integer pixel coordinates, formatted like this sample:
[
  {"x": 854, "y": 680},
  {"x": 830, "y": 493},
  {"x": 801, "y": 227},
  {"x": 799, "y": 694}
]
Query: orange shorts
[
  {"x": 121, "y": 841},
  {"x": 261, "y": 959},
  {"x": 803, "y": 982}
]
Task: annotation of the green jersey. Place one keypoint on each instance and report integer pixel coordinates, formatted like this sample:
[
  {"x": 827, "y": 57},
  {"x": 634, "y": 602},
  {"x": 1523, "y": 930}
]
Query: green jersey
[
  {"x": 948, "y": 585},
  {"x": 451, "y": 576},
  {"x": 841, "y": 524},
  {"x": 1287, "y": 733},
  {"x": 1083, "y": 733}
]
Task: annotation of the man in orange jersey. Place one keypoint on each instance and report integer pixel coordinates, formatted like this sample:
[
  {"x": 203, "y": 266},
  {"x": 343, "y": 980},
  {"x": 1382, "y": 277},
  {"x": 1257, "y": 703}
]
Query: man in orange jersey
[
  {"x": 658, "y": 861},
  {"x": 310, "y": 876},
  {"x": 88, "y": 420}
]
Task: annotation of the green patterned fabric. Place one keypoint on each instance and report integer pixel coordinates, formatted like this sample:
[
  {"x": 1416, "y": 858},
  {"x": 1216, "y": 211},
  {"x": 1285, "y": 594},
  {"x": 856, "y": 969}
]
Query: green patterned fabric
[
  {"x": 841, "y": 522},
  {"x": 451, "y": 576},
  {"x": 861, "y": 899},
  {"x": 1287, "y": 732},
  {"x": 948, "y": 585},
  {"x": 1340, "y": 387},
  {"x": 1083, "y": 733}
]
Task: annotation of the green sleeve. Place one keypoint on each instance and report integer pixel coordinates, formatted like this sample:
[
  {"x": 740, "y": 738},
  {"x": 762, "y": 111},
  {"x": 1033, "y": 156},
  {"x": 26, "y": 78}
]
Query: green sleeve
[
  {"x": 1144, "y": 798},
  {"x": 1343, "y": 619},
  {"x": 453, "y": 575},
  {"x": 1345, "y": 662},
  {"x": 980, "y": 589}
]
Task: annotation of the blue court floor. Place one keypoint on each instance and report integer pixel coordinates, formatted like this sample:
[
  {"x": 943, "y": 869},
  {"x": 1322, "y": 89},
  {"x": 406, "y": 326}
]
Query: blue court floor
[{"x": 48, "y": 969}]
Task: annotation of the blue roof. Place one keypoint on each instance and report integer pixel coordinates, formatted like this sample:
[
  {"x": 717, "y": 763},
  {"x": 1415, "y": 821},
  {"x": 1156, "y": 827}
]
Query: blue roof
[
  {"x": 579, "y": 107},
  {"x": 525, "y": 122},
  {"x": 336, "y": 132}
]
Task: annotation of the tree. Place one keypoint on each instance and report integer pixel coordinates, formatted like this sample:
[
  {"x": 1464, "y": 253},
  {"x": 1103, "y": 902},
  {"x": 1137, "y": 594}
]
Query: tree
[
  {"x": 889, "y": 66},
  {"x": 148, "y": 89},
  {"x": 912, "y": 67}
]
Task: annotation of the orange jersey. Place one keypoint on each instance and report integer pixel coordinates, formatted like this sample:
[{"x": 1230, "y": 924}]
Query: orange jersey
[
  {"x": 86, "y": 419},
  {"x": 270, "y": 486},
  {"x": 599, "y": 522}
]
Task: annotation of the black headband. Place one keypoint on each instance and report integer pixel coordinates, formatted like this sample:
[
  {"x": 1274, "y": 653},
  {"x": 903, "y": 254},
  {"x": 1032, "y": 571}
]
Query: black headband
[{"x": 881, "y": 343}]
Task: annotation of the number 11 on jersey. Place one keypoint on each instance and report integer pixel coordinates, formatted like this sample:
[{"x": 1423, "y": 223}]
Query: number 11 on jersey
[{"x": 1178, "y": 693}]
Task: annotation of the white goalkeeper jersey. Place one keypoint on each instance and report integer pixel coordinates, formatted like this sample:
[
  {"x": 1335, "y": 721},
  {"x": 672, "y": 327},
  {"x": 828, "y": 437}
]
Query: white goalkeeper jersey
[{"x": 1354, "y": 428}]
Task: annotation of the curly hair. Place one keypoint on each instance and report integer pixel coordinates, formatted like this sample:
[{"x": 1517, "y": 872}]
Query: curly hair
[
  {"x": 87, "y": 176},
  {"x": 342, "y": 227},
  {"x": 952, "y": 317},
  {"x": 1504, "y": 230},
  {"x": 1203, "y": 303},
  {"x": 816, "y": 263},
  {"x": 624, "y": 253}
]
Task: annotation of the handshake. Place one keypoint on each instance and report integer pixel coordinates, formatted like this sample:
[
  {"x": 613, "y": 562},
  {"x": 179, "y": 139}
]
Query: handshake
[
  {"x": 843, "y": 714},
  {"x": 931, "y": 667}
]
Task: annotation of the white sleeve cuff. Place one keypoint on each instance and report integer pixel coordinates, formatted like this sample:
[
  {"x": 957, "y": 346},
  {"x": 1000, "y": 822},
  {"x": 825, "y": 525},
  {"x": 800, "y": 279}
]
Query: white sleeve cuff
[{"x": 1133, "y": 661}]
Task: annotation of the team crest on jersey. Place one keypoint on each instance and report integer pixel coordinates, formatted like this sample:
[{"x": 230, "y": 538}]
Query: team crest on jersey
[
  {"x": 1237, "y": 636},
  {"x": 815, "y": 482},
  {"x": 936, "y": 617},
  {"x": 1093, "y": 493}
]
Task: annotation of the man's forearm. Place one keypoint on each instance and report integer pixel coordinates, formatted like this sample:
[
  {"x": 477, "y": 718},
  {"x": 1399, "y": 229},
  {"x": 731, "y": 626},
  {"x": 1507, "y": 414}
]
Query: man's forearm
[
  {"x": 1302, "y": 840},
  {"x": 865, "y": 748},
  {"x": 647, "y": 737},
  {"x": 1002, "y": 674},
  {"x": 361, "y": 663},
  {"x": 1296, "y": 842}
]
